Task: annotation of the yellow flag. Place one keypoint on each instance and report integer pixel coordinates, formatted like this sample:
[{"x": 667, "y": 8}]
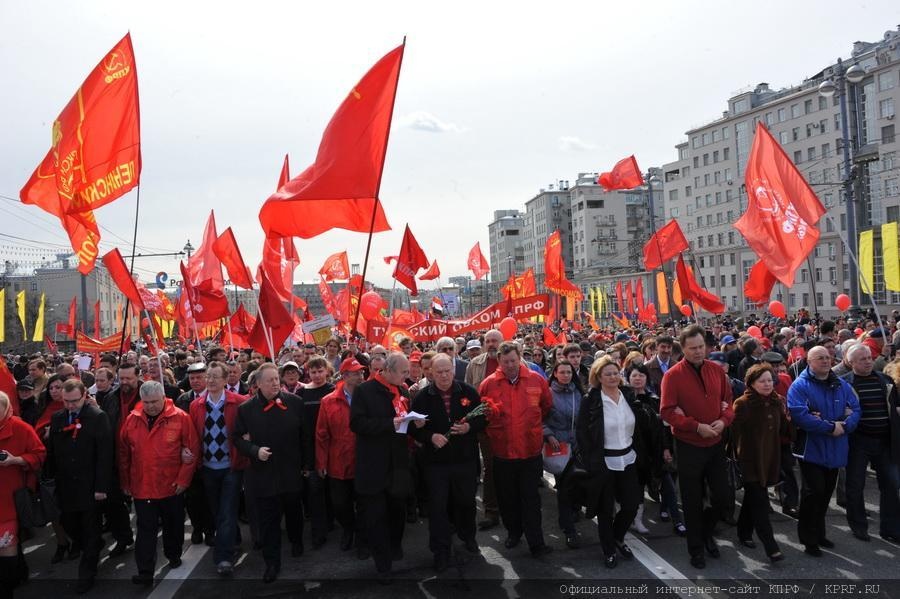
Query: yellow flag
[
  {"x": 891, "y": 256},
  {"x": 662, "y": 293},
  {"x": 39, "y": 322},
  {"x": 599, "y": 294},
  {"x": 20, "y": 309},
  {"x": 2, "y": 315},
  {"x": 591, "y": 303},
  {"x": 866, "y": 261}
]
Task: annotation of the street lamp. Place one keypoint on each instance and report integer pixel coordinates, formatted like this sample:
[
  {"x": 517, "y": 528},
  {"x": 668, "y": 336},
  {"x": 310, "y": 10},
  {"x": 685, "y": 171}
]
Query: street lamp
[
  {"x": 651, "y": 180},
  {"x": 839, "y": 85},
  {"x": 188, "y": 248}
]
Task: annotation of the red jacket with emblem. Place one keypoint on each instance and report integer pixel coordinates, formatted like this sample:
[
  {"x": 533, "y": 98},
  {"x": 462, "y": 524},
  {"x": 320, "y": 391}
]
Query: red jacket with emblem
[
  {"x": 150, "y": 463},
  {"x": 517, "y": 432},
  {"x": 335, "y": 442},
  {"x": 198, "y": 417}
]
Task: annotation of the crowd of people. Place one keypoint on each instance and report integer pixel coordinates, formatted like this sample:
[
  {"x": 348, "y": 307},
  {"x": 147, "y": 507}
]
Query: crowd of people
[{"x": 361, "y": 441}]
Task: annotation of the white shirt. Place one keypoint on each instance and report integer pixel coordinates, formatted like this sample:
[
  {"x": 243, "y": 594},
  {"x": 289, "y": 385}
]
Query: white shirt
[{"x": 618, "y": 430}]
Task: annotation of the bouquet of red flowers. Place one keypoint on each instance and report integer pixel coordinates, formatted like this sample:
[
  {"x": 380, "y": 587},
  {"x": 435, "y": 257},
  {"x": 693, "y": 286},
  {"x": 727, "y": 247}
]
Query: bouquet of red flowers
[{"x": 486, "y": 408}]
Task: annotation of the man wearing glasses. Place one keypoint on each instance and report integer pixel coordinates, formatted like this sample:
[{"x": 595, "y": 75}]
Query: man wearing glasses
[{"x": 446, "y": 345}]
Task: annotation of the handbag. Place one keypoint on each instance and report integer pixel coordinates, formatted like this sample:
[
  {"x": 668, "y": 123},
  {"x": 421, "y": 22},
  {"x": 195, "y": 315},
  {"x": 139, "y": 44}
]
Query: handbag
[
  {"x": 555, "y": 461},
  {"x": 35, "y": 509},
  {"x": 733, "y": 469}
]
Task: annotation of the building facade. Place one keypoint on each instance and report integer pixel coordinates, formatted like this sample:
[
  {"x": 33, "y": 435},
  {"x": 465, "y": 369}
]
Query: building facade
[
  {"x": 507, "y": 252},
  {"x": 546, "y": 212}
]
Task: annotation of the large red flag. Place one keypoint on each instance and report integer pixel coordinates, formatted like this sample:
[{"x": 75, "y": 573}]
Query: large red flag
[
  {"x": 619, "y": 297},
  {"x": 759, "y": 284},
  {"x": 409, "y": 262},
  {"x": 70, "y": 325},
  {"x": 691, "y": 289},
  {"x": 95, "y": 155},
  {"x": 664, "y": 245},
  {"x": 639, "y": 296},
  {"x": 625, "y": 175},
  {"x": 227, "y": 251},
  {"x": 432, "y": 273},
  {"x": 204, "y": 265},
  {"x": 122, "y": 277},
  {"x": 555, "y": 269},
  {"x": 238, "y": 329},
  {"x": 280, "y": 259},
  {"x": 274, "y": 320},
  {"x": 206, "y": 304},
  {"x": 782, "y": 209},
  {"x": 477, "y": 263},
  {"x": 550, "y": 339},
  {"x": 340, "y": 189},
  {"x": 336, "y": 267},
  {"x": 629, "y": 298}
]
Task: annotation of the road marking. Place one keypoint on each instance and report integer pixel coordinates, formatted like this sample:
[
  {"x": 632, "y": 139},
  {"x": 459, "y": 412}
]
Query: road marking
[{"x": 169, "y": 585}]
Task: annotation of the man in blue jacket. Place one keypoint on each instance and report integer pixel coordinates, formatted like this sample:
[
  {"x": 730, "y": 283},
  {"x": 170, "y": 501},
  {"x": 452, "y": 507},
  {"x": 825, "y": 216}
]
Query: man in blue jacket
[{"x": 824, "y": 409}]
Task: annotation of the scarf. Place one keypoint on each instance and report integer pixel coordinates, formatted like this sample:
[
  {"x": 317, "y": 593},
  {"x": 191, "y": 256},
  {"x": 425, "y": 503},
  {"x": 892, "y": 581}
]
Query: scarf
[
  {"x": 273, "y": 403},
  {"x": 399, "y": 402}
]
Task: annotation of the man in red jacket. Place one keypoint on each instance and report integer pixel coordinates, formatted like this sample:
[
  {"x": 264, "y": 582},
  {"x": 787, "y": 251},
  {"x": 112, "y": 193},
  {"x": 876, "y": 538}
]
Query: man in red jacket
[
  {"x": 696, "y": 402},
  {"x": 517, "y": 435},
  {"x": 151, "y": 470},
  {"x": 222, "y": 471}
]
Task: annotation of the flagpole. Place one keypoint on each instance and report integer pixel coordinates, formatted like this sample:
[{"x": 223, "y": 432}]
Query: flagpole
[
  {"x": 266, "y": 332},
  {"x": 158, "y": 349},
  {"x": 812, "y": 287},
  {"x": 848, "y": 247},
  {"x": 137, "y": 211},
  {"x": 378, "y": 190}
]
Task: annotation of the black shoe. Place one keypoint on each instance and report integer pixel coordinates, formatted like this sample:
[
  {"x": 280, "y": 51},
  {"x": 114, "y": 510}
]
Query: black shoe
[
  {"x": 862, "y": 535},
  {"x": 210, "y": 539},
  {"x": 572, "y": 540},
  {"x": 175, "y": 563},
  {"x": 270, "y": 574},
  {"x": 318, "y": 542},
  {"x": 60, "y": 553},
  {"x": 143, "y": 579},
  {"x": 197, "y": 537},
  {"x": 748, "y": 543},
  {"x": 680, "y": 529},
  {"x": 84, "y": 585},
  {"x": 541, "y": 550},
  {"x": 120, "y": 548},
  {"x": 625, "y": 550},
  {"x": 698, "y": 561},
  {"x": 511, "y": 541},
  {"x": 891, "y": 538},
  {"x": 826, "y": 543},
  {"x": 729, "y": 519},
  {"x": 813, "y": 551},
  {"x": 776, "y": 557},
  {"x": 611, "y": 561},
  {"x": 791, "y": 512},
  {"x": 362, "y": 553},
  {"x": 664, "y": 516},
  {"x": 441, "y": 560},
  {"x": 296, "y": 549},
  {"x": 711, "y": 548},
  {"x": 397, "y": 554},
  {"x": 488, "y": 523},
  {"x": 472, "y": 546},
  {"x": 347, "y": 540}
]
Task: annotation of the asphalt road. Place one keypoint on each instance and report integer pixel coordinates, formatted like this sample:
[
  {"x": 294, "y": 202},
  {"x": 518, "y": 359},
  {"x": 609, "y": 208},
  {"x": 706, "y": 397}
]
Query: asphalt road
[{"x": 661, "y": 567}]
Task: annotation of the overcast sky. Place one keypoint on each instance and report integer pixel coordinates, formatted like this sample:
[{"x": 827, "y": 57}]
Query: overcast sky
[{"x": 495, "y": 101}]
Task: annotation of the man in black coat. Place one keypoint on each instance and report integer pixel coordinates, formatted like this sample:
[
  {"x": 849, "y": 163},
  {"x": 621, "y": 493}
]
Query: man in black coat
[
  {"x": 383, "y": 480},
  {"x": 80, "y": 457},
  {"x": 450, "y": 455},
  {"x": 271, "y": 431}
]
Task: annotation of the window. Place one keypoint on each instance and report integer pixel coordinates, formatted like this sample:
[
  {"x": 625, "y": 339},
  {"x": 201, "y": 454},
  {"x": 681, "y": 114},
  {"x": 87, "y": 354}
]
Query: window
[
  {"x": 708, "y": 200},
  {"x": 795, "y": 133},
  {"x": 792, "y": 299},
  {"x": 886, "y": 108},
  {"x": 721, "y": 281},
  {"x": 721, "y": 259},
  {"x": 770, "y": 118},
  {"x": 702, "y": 261},
  {"x": 798, "y": 156},
  {"x": 795, "y": 111},
  {"x": 709, "y": 240},
  {"x": 706, "y": 179},
  {"x": 717, "y": 177},
  {"x": 719, "y": 222},
  {"x": 726, "y": 153},
  {"x": 826, "y": 150},
  {"x": 886, "y": 81},
  {"x": 893, "y": 213},
  {"x": 730, "y": 218},
  {"x": 699, "y": 221},
  {"x": 728, "y": 194},
  {"x": 696, "y": 162},
  {"x": 805, "y": 300},
  {"x": 887, "y": 160},
  {"x": 809, "y": 129},
  {"x": 811, "y": 153},
  {"x": 782, "y": 115},
  {"x": 887, "y": 134},
  {"x": 823, "y": 126},
  {"x": 690, "y": 210},
  {"x": 696, "y": 181},
  {"x": 733, "y": 284},
  {"x": 783, "y": 137},
  {"x": 716, "y": 135},
  {"x": 843, "y": 222},
  {"x": 720, "y": 238},
  {"x": 725, "y": 133},
  {"x": 891, "y": 187},
  {"x": 705, "y": 138},
  {"x": 718, "y": 197},
  {"x": 818, "y": 275},
  {"x": 699, "y": 239},
  {"x": 823, "y": 102},
  {"x": 807, "y": 106},
  {"x": 695, "y": 142},
  {"x": 706, "y": 160},
  {"x": 708, "y": 223},
  {"x": 715, "y": 156},
  {"x": 687, "y": 191},
  {"x": 673, "y": 195},
  {"x": 832, "y": 275}
]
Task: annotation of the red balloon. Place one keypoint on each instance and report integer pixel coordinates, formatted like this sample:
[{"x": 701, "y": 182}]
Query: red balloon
[
  {"x": 508, "y": 327},
  {"x": 842, "y": 302},
  {"x": 370, "y": 305},
  {"x": 685, "y": 310},
  {"x": 777, "y": 309},
  {"x": 191, "y": 347},
  {"x": 145, "y": 322},
  {"x": 755, "y": 331}
]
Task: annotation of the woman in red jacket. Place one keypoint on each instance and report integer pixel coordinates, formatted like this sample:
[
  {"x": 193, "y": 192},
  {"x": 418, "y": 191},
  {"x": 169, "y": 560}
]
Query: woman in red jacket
[{"x": 21, "y": 456}]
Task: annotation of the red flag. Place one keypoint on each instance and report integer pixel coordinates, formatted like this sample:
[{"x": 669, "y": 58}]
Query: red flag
[
  {"x": 8, "y": 386},
  {"x": 389, "y": 259},
  {"x": 238, "y": 329},
  {"x": 71, "y": 324},
  {"x": 204, "y": 265},
  {"x": 122, "y": 278},
  {"x": 625, "y": 175},
  {"x": 336, "y": 267},
  {"x": 410, "y": 261},
  {"x": 629, "y": 298},
  {"x": 759, "y": 284},
  {"x": 340, "y": 189},
  {"x": 690, "y": 288},
  {"x": 280, "y": 259},
  {"x": 226, "y": 249},
  {"x": 782, "y": 209},
  {"x": 327, "y": 297},
  {"x": 96, "y": 152},
  {"x": 432, "y": 273},
  {"x": 550, "y": 339},
  {"x": 97, "y": 319},
  {"x": 555, "y": 269},
  {"x": 274, "y": 317},
  {"x": 477, "y": 263},
  {"x": 206, "y": 304},
  {"x": 619, "y": 297},
  {"x": 285, "y": 175},
  {"x": 664, "y": 245},
  {"x": 639, "y": 296}
]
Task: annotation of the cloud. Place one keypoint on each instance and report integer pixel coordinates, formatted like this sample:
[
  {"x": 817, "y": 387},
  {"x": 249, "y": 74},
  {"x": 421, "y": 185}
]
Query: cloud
[
  {"x": 425, "y": 121},
  {"x": 570, "y": 143}
]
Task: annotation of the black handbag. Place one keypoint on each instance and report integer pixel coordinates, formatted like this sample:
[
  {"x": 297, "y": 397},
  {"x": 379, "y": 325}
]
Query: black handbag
[
  {"x": 35, "y": 509},
  {"x": 735, "y": 476}
]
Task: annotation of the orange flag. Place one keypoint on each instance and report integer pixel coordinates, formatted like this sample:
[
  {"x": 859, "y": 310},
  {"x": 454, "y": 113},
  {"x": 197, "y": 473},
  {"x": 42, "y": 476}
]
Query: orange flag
[
  {"x": 477, "y": 263},
  {"x": 340, "y": 189},
  {"x": 409, "y": 262},
  {"x": 336, "y": 267},
  {"x": 227, "y": 251},
  {"x": 664, "y": 245},
  {"x": 692, "y": 290},
  {"x": 432, "y": 273},
  {"x": 625, "y": 175},
  {"x": 555, "y": 271},
  {"x": 758, "y": 287},
  {"x": 95, "y": 155}
]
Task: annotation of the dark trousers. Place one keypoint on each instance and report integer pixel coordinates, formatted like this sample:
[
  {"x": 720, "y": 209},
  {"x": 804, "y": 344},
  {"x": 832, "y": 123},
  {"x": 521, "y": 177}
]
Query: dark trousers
[
  {"x": 314, "y": 491},
  {"x": 222, "y": 488},
  {"x": 789, "y": 491},
  {"x": 564, "y": 509},
  {"x": 116, "y": 510},
  {"x": 755, "y": 516},
  {"x": 385, "y": 518},
  {"x": 451, "y": 494},
  {"x": 818, "y": 485},
  {"x": 669, "y": 496},
  {"x": 516, "y": 482},
  {"x": 488, "y": 491},
  {"x": 699, "y": 466},
  {"x": 198, "y": 508},
  {"x": 149, "y": 513},
  {"x": 865, "y": 450},
  {"x": 622, "y": 488},
  {"x": 270, "y": 510},
  {"x": 83, "y": 528},
  {"x": 347, "y": 510}
]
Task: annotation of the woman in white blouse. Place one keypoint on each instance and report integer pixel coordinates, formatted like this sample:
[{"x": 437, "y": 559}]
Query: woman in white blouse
[{"x": 608, "y": 439}]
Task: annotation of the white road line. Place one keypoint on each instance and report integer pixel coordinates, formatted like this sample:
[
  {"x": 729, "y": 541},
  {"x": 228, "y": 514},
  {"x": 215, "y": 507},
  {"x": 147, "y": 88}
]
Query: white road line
[{"x": 169, "y": 585}]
